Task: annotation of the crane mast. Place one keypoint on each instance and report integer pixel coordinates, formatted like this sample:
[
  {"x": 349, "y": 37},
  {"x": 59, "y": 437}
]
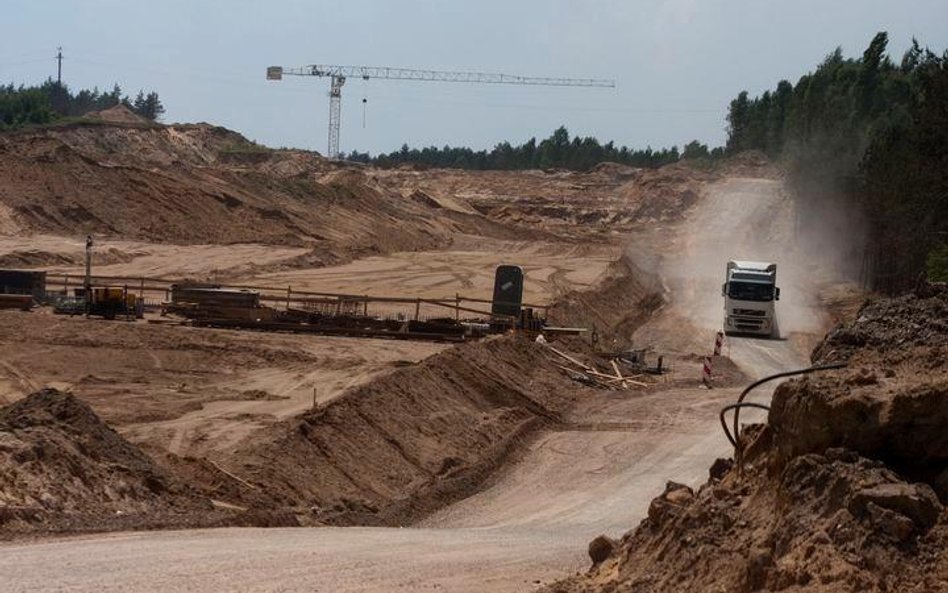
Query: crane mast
[{"x": 339, "y": 74}]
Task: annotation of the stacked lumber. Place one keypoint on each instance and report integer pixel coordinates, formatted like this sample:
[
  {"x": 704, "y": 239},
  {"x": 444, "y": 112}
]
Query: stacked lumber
[{"x": 589, "y": 375}]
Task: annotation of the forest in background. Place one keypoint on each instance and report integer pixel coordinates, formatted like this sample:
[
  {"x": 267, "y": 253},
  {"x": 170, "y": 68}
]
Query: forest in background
[
  {"x": 559, "y": 151},
  {"x": 52, "y": 101},
  {"x": 873, "y": 132}
]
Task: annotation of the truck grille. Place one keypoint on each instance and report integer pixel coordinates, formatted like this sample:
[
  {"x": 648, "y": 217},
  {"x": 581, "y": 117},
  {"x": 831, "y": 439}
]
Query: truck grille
[{"x": 750, "y": 312}]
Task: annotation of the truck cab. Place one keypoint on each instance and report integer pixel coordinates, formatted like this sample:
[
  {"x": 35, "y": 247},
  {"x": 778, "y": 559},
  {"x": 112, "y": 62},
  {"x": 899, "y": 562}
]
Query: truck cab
[{"x": 750, "y": 291}]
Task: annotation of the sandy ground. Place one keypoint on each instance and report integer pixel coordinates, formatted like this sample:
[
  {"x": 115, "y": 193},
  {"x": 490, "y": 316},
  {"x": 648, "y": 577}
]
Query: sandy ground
[
  {"x": 468, "y": 269},
  {"x": 186, "y": 391},
  {"x": 531, "y": 526},
  {"x": 193, "y": 391},
  {"x": 532, "y": 523},
  {"x": 144, "y": 259}
]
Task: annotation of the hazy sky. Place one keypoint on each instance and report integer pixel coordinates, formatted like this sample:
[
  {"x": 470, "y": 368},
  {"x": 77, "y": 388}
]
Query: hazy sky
[{"x": 677, "y": 63}]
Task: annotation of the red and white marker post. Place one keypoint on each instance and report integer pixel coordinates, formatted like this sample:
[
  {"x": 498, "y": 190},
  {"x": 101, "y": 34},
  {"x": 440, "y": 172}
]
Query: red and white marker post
[{"x": 706, "y": 372}]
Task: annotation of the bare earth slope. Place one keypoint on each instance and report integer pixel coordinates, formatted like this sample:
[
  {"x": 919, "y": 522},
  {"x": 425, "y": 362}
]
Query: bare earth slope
[
  {"x": 595, "y": 473},
  {"x": 198, "y": 184},
  {"x": 843, "y": 489},
  {"x": 61, "y": 466},
  {"x": 411, "y": 441}
]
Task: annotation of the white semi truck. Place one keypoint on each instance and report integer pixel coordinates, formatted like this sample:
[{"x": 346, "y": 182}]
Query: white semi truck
[{"x": 749, "y": 292}]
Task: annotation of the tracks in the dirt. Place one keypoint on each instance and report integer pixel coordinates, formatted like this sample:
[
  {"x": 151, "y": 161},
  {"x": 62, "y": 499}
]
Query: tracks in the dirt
[{"x": 596, "y": 473}]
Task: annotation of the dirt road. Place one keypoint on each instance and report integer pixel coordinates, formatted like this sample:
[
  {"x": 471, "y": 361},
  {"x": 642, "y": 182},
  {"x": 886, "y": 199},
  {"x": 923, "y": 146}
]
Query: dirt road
[
  {"x": 530, "y": 527},
  {"x": 596, "y": 474}
]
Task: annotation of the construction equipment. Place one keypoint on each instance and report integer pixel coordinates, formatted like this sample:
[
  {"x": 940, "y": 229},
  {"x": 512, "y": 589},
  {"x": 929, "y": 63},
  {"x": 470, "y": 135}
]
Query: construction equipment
[
  {"x": 749, "y": 292},
  {"x": 508, "y": 291},
  {"x": 339, "y": 74},
  {"x": 198, "y": 301},
  {"x": 111, "y": 302},
  {"x": 21, "y": 289},
  {"x": 213, "y": 295}
]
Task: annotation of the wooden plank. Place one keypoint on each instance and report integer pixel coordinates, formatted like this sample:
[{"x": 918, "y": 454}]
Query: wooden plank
[
  {"x": 615, "y": 367},
  {"x": 605, "y": 376},
  {"x": 573, "y": 372},
  {"x": 570, "y": 358}
]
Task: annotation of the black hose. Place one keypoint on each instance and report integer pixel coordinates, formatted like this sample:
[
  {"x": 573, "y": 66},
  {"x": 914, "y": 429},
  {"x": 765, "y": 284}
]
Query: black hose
[
  {"x": 728, "y": 408},
  {"x": 735, "y": 439}
]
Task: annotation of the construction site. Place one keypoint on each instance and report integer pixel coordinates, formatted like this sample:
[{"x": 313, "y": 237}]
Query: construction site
[{"x": 227, "y": 367}]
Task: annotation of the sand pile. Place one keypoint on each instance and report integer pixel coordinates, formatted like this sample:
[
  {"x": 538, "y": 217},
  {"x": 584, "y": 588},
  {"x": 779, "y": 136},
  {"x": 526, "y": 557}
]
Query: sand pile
[
  {"x": 411, "y": 441},
  {"x": 119, "y": 114},
  {"x": 665, "y": 194},
  {"x": 202, "y": 184},
  {"x": 844, "y": 490},
  {"x": 598, "y": 206},
  {"x": 62, "y": 468},
  {"x": 615, "y": 308}
]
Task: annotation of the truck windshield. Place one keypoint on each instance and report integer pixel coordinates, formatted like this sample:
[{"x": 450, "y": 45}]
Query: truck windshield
[{"x": 750, "y": 291}]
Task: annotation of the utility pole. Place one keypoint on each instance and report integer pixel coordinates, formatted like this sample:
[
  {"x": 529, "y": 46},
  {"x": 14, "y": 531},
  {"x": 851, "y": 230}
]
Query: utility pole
[
  {"x": 88, "y": 282},
  {"x": 59, "y": 68}
]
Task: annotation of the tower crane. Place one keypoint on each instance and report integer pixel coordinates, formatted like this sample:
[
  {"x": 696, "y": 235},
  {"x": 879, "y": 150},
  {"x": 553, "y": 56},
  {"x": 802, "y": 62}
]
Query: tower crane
[{"x": 339, "y": 74}]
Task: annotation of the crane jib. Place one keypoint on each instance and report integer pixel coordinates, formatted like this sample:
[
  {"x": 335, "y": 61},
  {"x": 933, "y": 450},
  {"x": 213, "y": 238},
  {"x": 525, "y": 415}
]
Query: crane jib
[
  {"x": 367, "y": 72},
  {"x": 338, "y": 74}
]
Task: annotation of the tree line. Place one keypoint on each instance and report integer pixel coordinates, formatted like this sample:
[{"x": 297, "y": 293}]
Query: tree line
[
  {"x": 50, "y": 101},
  {"x": 875, "y": 132},
  {"x": 559, "y": 151}
]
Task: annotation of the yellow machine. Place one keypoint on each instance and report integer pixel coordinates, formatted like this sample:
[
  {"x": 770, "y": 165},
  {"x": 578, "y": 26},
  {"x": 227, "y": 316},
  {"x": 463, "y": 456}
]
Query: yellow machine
[{"x": 110, "y": 302}]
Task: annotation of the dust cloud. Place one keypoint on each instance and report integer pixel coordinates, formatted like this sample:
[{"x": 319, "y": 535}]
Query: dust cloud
[{"x": 751, "y": 219}]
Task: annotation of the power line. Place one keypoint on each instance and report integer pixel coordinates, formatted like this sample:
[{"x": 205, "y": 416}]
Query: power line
[{"x": 24, "y": 62}]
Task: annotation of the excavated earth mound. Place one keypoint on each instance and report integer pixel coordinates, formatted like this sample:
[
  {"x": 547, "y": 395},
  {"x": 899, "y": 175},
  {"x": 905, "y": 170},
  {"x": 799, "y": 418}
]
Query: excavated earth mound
[
  {"x": 623, "y": 300},
  {"x": 384, "y": 453},
  {"x": 411, "y": 441},
  {"x": 62, "y": 469},
  {"x": 118, "y": 114},
  {"x": 843, "y": 490},
  {"x": 595, "y": 207},
  {"x": 203, "y": 184}
]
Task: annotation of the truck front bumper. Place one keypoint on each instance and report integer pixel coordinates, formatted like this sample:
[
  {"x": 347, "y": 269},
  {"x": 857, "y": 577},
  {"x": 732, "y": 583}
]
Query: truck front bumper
[{"x": 734, "y": 324}]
